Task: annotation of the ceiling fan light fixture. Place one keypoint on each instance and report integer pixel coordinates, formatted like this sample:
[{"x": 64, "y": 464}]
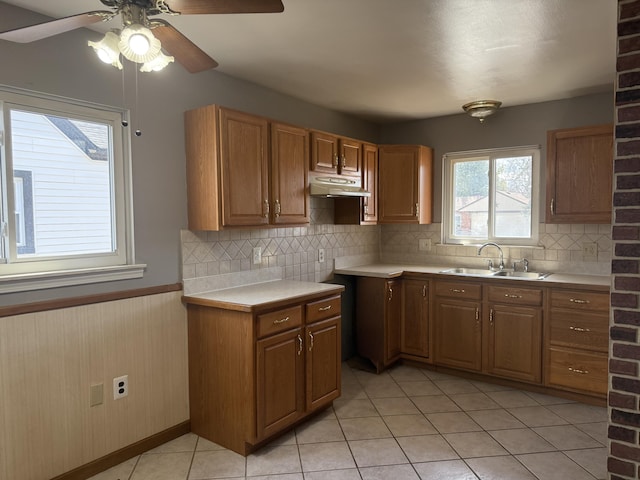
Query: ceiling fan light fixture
[
  {"x": 138, "y": 44},
  {"x": 157, "y": 63},
  {"x": 481, "y": 109},
  {"x": 107, "y": 49}
]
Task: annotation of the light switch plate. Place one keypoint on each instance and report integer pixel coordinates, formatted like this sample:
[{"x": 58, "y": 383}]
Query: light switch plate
[
  {"x": 424, "y": 244},
  {"x": 96, "y": 394}
]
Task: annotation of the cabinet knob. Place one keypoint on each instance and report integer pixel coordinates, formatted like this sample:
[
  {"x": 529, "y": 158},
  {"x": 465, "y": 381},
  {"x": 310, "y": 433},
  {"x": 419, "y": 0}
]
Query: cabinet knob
[
  {"x": 508, "y": 295},
  {"x": 335, "y": 160},
  {"x": 417, "y": 209},
  {"x": 344, "y": 161},
  {"x": 282, "y": 320},
  {"x": 579, "y": 329},
  {"x": 579, "y": 301},
  {"x": 278, "y": 208},
  {"x": 265, "y": 208},
  {"x": 580, "y": 371},
  {"x": 324, "y": 309},
  {"x": 390, "y": 293},
  {"x": 456, "y": 290}
]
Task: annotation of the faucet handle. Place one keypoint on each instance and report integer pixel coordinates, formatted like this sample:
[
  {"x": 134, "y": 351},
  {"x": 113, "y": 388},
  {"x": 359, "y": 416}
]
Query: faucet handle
[
  {"x": 490, "y": 264},
  {"x": 525, "y": 264}
]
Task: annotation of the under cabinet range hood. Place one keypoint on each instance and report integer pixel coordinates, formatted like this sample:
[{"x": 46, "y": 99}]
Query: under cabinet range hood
[{"x": 336, "y": 187}]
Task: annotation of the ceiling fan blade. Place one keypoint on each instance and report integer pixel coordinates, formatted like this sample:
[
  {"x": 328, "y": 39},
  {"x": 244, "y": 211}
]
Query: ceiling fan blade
[
  {"x": 54, "y": 27},
  {"x": 195, "y": 7},
  {"x": 187, "y": 53}
]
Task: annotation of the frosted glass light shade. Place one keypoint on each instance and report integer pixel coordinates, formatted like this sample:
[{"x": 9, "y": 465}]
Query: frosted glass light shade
[
  {"x": 107, "y": 49},
  {"x": 157, "y": 63},
  {"x": 138, "y": 44}
]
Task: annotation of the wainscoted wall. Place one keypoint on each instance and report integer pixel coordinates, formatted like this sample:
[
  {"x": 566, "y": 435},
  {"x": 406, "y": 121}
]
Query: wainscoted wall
[
  {"x": 49, "y": 360},
  {"x": 222, "y": 259},
  {"x": 560, "y": 248}
]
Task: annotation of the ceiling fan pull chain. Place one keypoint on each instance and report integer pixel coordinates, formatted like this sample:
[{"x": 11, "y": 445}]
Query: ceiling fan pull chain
[
  {"x": 125, "y": 115},
  {"x": 138, "y": 115}
]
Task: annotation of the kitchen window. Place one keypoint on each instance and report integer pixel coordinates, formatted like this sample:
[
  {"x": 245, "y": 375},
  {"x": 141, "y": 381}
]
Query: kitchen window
[
  {"x": 491, "y": 195},
  {"x": 66, "y": 215}
]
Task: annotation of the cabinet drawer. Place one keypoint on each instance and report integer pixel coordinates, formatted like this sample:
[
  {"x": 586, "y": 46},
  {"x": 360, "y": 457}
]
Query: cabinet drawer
[
  {"x": 459, "y": 290},
  {"x": 579, "y": 329},
  {"x": 576, "y": 299},
  {"x": 579, "y": 370},
  {"x": 325, "y": 308},
  {"x": 517, "y": 296},
  {"x": 278, "y": 321}
]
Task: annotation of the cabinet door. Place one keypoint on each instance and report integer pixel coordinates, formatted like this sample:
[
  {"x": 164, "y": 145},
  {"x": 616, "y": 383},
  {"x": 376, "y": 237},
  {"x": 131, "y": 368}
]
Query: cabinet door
[
  {"x": 405, "y": 182},
  {"x": 515, "y": 342},
  {"x": 289, "y": 174},
  {"x": 350, "y": 157},
  {"x": 245, "y": 169},
  {"x": 370, "y": 183},
  {"x": 392, "y": 320},
  {"x": 280, "y": 381},
  {"x": 324, "y": 152},
  {"x": 415, "y": 318},
  {"x": 323, "y": 362},
  {"x": 458, "y": 334},
  {"x": 579, "y": 170}
]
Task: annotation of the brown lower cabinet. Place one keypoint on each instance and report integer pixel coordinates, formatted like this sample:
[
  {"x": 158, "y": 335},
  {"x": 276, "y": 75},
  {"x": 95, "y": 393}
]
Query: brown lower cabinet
[
  {"x": 252, "y": 374},
  {"x": 549, "y": 336}
]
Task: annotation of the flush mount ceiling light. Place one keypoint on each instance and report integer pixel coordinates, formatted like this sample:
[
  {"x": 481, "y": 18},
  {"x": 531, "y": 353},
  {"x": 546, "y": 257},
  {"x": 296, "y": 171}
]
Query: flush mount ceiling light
[{"x": 481, "y": 109}]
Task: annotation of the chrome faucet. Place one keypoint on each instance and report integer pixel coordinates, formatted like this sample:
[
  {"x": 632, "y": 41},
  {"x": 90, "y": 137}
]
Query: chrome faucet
[{"x": 501, "y": 266}]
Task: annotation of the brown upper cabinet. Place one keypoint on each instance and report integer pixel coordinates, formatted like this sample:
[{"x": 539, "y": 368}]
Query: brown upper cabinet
[
  {"x": 235, "y": 179},
  {"x": 370, "y": 183},
  {"x": 405, "y": 182},
  {"x": 333, "y": 154},
  {"x": 579, "y": 175}
]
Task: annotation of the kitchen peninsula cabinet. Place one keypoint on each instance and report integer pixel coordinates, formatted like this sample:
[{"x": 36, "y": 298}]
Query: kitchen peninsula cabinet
[
  {"x": 230, "y": 164},
  {"x": 514, "y": 348},
  {"x": 256, "y": 370},
  {"x": 458, "y": 325},
  {"x": 415, "y": 334},
  {"x": 405, "y": 182},
  {"x": 378, "y": 317},
  {"x": 332, "y": 154},
  {"x": 579, "y": 175},
  {"x": 577, "y": 340}
]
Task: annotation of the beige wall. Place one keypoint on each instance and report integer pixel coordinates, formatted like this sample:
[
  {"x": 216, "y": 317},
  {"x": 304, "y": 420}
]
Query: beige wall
[{"x": 49, "y": 360}]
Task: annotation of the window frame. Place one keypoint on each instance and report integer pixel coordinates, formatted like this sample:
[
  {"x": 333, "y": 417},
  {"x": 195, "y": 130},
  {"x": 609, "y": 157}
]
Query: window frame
[
  {"x": 20, "y": 273},
  {"x": 448, "y": 203}
]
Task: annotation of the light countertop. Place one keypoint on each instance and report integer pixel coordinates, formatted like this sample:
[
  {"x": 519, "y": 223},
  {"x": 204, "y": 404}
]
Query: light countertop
[
  {"x": 382, "y": 270},
  {"x": 248, "y": 298}
]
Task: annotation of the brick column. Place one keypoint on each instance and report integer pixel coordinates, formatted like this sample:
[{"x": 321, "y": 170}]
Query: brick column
[{"x": 624, "y": 345}]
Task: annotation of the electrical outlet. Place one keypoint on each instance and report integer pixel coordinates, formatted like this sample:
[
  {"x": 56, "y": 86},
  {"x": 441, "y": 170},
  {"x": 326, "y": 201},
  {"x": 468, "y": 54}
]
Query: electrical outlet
[
  {"x": 257, "y": 255},
  {"x": 590, "y": 249},
  {"x": 321, "y": 255},
  {"x": 424, "y": 244},
  {"x": 120, "y": 387}
]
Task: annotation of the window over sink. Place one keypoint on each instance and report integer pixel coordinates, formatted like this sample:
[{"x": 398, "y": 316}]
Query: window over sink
[
  {"x": 491, "y": 195},
  {"x": 65, "y": 215}
]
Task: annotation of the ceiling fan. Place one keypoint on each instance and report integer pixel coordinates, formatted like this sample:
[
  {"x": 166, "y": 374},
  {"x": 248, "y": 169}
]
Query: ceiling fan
[{"x": 142, "y": 38}]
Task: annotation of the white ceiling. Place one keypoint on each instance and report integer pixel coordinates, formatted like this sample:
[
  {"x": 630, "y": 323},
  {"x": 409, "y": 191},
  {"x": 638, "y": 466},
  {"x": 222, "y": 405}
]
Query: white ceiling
[{"x": 402, "y": 59}]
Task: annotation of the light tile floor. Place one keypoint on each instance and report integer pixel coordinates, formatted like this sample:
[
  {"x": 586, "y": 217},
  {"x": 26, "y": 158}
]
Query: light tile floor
[{"x": 406, "y": 423}]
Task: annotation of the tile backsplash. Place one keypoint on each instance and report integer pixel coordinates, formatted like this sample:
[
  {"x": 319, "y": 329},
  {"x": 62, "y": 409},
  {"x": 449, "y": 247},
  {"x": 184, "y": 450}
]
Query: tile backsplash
[
  {"x": 560, "y": 249},
  {"x": 213, "y": 260}
]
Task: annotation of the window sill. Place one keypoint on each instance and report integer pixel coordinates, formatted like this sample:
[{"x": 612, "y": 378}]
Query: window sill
[{"x": 65, "y": 278}]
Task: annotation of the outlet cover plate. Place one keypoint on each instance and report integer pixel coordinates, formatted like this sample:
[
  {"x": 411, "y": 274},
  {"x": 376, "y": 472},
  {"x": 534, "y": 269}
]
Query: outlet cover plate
[
  {"x": 257, "y": 255},
  {"x": 424, "y": 244},
  {"x": 120, "y": 387}
]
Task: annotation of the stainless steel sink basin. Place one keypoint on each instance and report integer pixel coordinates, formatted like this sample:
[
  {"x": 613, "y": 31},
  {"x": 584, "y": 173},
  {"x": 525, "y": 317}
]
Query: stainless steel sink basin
[
  {"x": 528, "y": 275},
  {"x": 483, "y": 272},
  {"x": 469, "y": 271}
]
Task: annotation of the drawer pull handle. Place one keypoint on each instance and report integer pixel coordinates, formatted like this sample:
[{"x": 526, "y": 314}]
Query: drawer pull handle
[
  {"x": 299, "y": 345},
  {"x": 576, "y": 370},
  {"x": 578, "y": 301},
  {"x": 457, "y": 290},
  {"x": 282, "y": 320},
  {"x": 509, "y": 295},
  {"x": 324, "y": 309},
  {"x": 579, "y": 329},
  {"x": 311, "y": 343}
]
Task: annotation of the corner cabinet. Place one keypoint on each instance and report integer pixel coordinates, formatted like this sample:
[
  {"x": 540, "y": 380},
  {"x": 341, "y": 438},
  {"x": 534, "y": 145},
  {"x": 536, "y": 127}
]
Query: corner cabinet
[
  {"x": 405, "y": 180},
  {"x": 579, "y": 175},
  {"x": 378, "y": 317},
  {"x": 235, "y": 179},
  {"x": 255, "y": 373}
]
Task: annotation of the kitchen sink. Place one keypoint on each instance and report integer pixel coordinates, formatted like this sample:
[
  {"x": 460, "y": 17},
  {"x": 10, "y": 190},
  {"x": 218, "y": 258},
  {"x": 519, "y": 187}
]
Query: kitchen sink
[
  {"x": 528, "y": 275},
  {"x": 483, "y": 272},
  {"x": 469, "y": 271}
]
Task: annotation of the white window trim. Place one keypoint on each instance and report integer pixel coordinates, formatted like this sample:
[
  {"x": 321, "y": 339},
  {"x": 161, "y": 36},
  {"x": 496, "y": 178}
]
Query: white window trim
[
  {"x": 87, "y": 271},
  {"x": 447, "y": 191}
]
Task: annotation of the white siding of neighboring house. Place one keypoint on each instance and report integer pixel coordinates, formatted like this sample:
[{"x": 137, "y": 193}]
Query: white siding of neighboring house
[{"x": 71, "y": 204}]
